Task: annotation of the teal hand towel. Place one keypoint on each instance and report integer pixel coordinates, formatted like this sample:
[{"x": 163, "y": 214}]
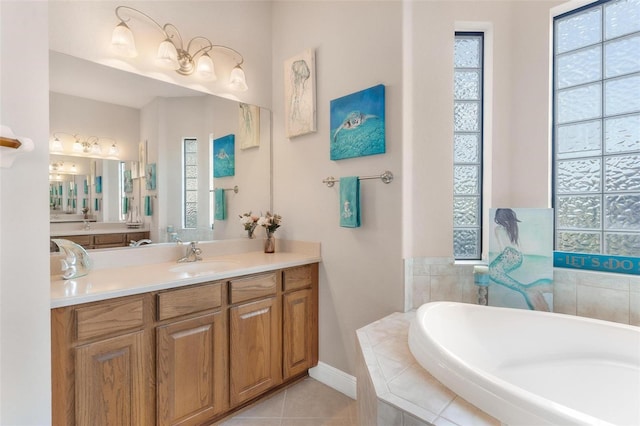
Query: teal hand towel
[
  {"x": 220, "y": 207},
  {"x": 148, "y": 206},
  {"x": 350, "y": 202}
]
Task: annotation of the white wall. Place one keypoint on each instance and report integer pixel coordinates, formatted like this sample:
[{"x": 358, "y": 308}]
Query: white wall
[
  {"x": 87, "y": 117},
  {"x": 25, "y": 371},
  {"x": 358, "y": 45}
]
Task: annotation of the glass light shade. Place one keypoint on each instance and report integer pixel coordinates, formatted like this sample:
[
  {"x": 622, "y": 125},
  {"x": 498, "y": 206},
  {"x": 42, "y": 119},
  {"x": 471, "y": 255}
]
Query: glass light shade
[
  {"x": 95, "y": 148},
  {"x": 114, "y": 151},
  {"x": 205, "y": 68},
  {"x": 237, "y": 80},
  {"x": 168, "y": 55},
  {"x": 77, "y": 146},
  {"x": 122, "y": 41},
  {"x": 56, "y": 146},
  {"x": 74, "y": 169}
]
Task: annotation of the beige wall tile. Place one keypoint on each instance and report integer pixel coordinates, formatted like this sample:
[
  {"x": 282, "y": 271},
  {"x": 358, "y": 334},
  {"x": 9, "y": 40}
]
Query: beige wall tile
[
  {"x": 463, "y": 413},
  {"x": 603, "y": 303},
  {"x": 446, "y": 287},
  {"x": 388, "y": 415},
  {"x": 604, "y": 280},
  {"x": 564, "y": 297},
  {"x": 421, "y": 291},
  {"x": 634, "y": 305}
]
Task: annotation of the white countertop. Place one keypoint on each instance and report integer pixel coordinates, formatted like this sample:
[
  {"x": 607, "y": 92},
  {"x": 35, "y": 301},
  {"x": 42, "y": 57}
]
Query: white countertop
[{"x": 107, "y": 283}]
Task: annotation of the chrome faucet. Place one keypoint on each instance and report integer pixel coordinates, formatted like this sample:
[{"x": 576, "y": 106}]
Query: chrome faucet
[
  {"x": 193, "y": 254},
  {"x": 139, "y": 242}
]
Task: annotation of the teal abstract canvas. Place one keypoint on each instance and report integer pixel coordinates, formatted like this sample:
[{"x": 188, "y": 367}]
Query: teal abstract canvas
[{"x": 358, "y": 124}]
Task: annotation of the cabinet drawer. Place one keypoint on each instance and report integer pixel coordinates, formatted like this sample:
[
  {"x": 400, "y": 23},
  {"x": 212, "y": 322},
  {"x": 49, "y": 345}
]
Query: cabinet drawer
[
  {"x": 189, "y": 300},
  {"x": 103, "y": 239},
  {"x": 83, "y": 240},
  {"x": 299, "y": 277},
  {"x": 253, "y": 287},
  {"x": 107, "y": 318}
]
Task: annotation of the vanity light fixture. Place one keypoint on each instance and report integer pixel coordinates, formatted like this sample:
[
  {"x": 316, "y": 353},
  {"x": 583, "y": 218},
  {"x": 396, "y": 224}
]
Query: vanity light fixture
[
  {"x": 56, "y": 145},
  {"x": 90, "y": 146},
  {"x": 56, "y": 166},
  {"x": 172, "y": 54},
  {"x": 96, "y": 149},
  {"x": 113, "y": 149}
]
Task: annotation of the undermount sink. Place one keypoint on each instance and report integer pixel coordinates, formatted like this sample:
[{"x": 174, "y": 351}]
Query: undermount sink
[{"x": 204, "y": 267}]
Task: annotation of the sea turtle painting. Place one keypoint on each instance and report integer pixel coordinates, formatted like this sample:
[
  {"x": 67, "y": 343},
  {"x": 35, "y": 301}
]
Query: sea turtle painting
[
  {"x": 358, "y": 124},
  {"x": 353, "y": 120}
]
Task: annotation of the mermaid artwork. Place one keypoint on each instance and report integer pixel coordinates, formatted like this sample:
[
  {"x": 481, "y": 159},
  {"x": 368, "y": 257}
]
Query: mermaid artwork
[{"x": 511, "y": 258}]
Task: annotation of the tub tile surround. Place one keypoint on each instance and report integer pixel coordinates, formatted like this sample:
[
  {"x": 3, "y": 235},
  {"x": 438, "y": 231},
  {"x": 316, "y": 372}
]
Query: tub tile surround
[
  {"x": 599, "y": 295},
  {"x": 393, "y": 389}
]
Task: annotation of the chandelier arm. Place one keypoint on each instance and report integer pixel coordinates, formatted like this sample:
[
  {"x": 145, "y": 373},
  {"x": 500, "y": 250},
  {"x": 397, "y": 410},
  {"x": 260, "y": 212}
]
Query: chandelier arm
[
  {"x": 170, "y": 36},
  {"x": 220, "y": 46},
  {"x": 160, "y": 27},
  {"x": 55, "y": 134},
  {"x": 203, "y": 49}
]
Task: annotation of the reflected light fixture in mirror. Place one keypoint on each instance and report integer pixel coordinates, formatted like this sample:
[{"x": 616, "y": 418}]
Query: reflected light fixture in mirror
[
  {"x": 90, "y": 146},
  {"x": 172, "y": 54}
]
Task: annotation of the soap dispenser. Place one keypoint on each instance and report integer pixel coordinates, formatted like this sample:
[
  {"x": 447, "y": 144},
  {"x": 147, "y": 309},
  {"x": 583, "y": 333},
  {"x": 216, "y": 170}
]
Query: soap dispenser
[{"x": 76, "y": 262}]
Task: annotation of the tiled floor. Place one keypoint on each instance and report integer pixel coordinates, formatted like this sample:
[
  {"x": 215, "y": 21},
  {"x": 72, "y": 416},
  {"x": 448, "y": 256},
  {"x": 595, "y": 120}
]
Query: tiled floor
[{"x": 306, "y": 403}]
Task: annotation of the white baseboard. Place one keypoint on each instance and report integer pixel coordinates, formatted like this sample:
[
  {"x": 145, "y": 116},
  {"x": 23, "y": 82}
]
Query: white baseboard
[{"x": 334, "y": 378}]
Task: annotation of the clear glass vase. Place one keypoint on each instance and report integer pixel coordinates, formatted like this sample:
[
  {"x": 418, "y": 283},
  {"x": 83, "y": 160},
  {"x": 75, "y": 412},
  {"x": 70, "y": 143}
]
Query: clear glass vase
[{"x": 270, "y": 244}]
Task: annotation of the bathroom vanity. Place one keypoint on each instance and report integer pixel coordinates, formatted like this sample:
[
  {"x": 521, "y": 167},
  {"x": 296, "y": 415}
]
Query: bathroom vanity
[{"x": 188, "y": 345}]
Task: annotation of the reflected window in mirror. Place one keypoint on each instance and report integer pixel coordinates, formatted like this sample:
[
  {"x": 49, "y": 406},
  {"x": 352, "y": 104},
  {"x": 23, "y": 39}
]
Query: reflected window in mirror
[
  {"x": 190, "y": 183},
  {"x": 121, "y": 193}
]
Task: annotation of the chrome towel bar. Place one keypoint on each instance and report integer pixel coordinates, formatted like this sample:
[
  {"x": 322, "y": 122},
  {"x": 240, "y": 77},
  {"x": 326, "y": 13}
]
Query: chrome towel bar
[{"x": 385, "y": 177}]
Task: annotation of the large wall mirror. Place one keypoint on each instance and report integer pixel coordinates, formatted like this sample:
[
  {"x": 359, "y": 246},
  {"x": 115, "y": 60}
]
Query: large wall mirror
[{"x": 156, "y": 126}]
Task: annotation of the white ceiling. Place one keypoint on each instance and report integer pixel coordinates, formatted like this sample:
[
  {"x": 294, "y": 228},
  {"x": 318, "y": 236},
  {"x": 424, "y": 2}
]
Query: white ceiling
[{"x": 78, "y": 77}]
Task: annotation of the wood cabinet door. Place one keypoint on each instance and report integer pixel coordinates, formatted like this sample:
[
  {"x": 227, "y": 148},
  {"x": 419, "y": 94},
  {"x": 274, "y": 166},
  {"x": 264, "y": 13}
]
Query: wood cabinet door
[
  {"x": 297, "y": 336},
  {"x": 255, "y": 349},
  {"x": 191, "y": 370},
  {"x": 111, "y": 382}
]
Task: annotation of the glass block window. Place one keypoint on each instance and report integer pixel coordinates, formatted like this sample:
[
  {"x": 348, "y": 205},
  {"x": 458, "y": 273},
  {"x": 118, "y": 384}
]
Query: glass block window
[
  {"x": 467, "y": 146},
  {"x": 596, "y": 129},
  {"x": 190, "y": 183},
  {"x": 122, "y": 215}
]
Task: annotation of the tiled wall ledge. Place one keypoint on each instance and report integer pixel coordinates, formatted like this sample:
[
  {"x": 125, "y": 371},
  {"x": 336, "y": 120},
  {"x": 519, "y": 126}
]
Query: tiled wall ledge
[
  {"x": 393, "y": 389},
  {"x": 600, "y": 295}
]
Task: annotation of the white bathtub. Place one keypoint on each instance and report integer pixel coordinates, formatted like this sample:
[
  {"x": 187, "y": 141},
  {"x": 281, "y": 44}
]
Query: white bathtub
[{"x": 532, "y": 368}]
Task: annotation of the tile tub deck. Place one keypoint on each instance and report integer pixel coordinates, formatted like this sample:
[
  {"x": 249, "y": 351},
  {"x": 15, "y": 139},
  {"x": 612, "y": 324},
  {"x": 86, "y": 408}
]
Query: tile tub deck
[{"x": 393, "y": 389}]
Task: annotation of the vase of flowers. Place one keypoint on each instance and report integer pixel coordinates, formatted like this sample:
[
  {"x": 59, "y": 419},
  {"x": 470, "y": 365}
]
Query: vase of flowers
[
  {"x": 270, "y": 222},
  {"x": 249, "y": 222}
]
